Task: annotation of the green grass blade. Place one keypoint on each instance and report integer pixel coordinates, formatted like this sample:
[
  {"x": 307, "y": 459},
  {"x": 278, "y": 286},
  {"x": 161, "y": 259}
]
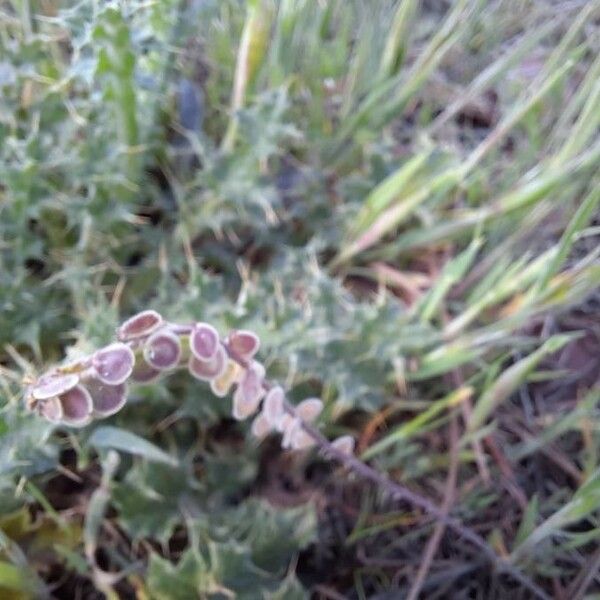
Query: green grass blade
[
  {"x": 397, "y": 39},
  {"x": 415, "y": 425},
  {"x": 511, "y": 379},
  {"x": 452, "y": 273}
]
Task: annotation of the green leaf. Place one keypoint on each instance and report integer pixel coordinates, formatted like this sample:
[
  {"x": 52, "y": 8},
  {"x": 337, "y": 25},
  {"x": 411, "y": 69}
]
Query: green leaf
[{"x": 120, "y": 439}]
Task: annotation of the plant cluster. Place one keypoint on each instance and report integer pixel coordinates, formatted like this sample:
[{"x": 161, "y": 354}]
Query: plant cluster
[
  {"x": 96, "y": 386},
  {"x": 399, "y": 198}
]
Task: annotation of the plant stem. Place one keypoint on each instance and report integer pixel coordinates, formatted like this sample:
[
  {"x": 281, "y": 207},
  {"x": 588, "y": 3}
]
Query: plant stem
[{"x": 400, "y": 492}]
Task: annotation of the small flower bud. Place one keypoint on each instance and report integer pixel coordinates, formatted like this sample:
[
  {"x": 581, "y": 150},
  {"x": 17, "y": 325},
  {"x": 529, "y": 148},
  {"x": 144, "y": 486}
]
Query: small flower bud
[
  {"x": 106, "y": 399},
  {"x": 308, "y": 410},
  {"x": 48, "y": 386},
  {"x": 162, "y": 350},
  {"x": 204, "y": 341},
  {"x": 243, "y": 343},
  {"x": 76, "y": 406},
  {"x": 140, "y": 325},
  {"x": 114, "y": 363},
  {"x": 344, "y": 444},
  {"x": 206, "y": 370}
]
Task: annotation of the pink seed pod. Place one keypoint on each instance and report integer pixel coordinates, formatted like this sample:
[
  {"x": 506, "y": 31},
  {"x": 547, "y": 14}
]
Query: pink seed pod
[
  {"x": 301, "y": 440},
  {"x": 273, "y": 405},
  {"x": 143, "y": 372},
  {"x": 76, "y": 406},
  {"x": 243, "y": 343},
  {"x": 260, "y": 427},
  {"x": 221, "y": 385},
  {"x": 140, "y": 325},
  {"x": 162, "y": 350},
  {"x": 106, "y": 399},
  {"x": 344, "y": 444},
  {"x": 51, "y": 409},
  {"x": 251, "y": 383},
  {"x": 113, "y": 364},
  {"x": 206, "y": 370},
  {"x": 48, "y": 386},
  {"x": 284, "y": 422},
  {"x": 204, "y": 341},
  {"x": 290, "y": 429},
  {"x": 244, "y": 406},
  {"x": 308, "y": 410}
]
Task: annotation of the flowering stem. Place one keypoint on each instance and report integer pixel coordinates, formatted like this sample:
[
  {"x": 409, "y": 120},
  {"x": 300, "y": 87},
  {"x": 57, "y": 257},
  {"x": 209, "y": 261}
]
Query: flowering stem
[{"x": 400, "y": 492}]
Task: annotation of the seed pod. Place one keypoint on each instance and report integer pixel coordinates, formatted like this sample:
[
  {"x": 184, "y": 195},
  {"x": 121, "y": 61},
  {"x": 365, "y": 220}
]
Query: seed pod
[
  {"x": 260, "y": 426},
  {"x": 301, "y": 440},
  {"x": 51, "y": 409},
  {"x": 48, "y": 386},
  {"x": 140, "y": 325},
  {"x": 244, "y": 406},
  {"x": 206, "y": 370},
  {"x": 243, "y": 343},
  {"x": 114, "y": 363},
  {"x": 290, "y": 429},
  {"x": 143, "y": 372},
  {"x": 273, "y": 405},
  {"x": 344, "y": 444},
  {"x": 162, "y": 350},
  {"x": 284, "y": 422},
  {"x": 106, "y": 399},
  {"x": 308, "y": 410},
  {"x": 251, "y": 383},
  {"x": 76, "y": 406},
  {"x": 221, "y": 385},
  {"x": 204, "y": 341}
]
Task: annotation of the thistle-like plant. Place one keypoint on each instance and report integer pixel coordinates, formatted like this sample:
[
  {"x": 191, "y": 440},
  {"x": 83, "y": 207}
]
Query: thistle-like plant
[{"x": 149, "y": 347}]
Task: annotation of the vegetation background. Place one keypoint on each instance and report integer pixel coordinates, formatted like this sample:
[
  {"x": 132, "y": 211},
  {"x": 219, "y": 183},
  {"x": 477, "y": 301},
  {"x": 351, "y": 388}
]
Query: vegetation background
[{"x": 401, "y": 198}]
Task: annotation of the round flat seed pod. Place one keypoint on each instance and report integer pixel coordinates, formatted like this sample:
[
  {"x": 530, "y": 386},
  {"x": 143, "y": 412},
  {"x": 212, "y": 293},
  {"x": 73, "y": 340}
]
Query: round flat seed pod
[
  {"x": 260, "y": 427},
  {"x": 251, "y": 383},
  {"x": 243, "y": 343},
  {"x": 308, "y": 410},
  {"x": 76, "y": 406},
  {"x": 51, "y": 409},
  {"x": 162, "y": 350},
  {"x": 290, "y": 429},
  {"x": 204, "y": 341},
  {"x": 106, "y": 399},
  {"x": 221, "y": 385},
  {"x": 244, "y": 406},
  {"x": 273, "y": 405},
  {"x": 345, "y": 444},
  {"x": 301, "y": 440},
  {"x": 140, "y": 325},
  {"x": 143, "y": 372},
  {"x": 114, "y": 364},
  {"x": 49, "y": 386},
  {"x": 206, "y": 370}
]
